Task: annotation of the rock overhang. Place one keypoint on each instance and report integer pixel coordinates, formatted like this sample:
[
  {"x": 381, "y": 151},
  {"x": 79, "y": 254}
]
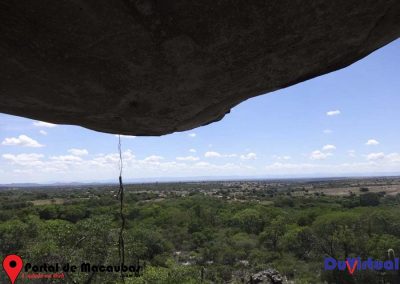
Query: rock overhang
[{"x": 149, "y": 67}]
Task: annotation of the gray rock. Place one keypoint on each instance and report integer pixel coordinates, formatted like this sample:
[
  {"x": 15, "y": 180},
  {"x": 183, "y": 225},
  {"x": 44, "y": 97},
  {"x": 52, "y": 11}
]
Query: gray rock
[
  {"x": 148, "y": 67},
  {"x": 269, "y": 276}
]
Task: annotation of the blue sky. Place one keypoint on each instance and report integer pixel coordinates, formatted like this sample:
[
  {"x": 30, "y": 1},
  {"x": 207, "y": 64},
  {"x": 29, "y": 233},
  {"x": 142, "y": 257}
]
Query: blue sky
[{"x": 340, "y": 124}]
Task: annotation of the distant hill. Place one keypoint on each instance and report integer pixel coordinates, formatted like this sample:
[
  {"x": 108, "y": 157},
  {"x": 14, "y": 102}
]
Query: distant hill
[{"x": 194, "y": 179}]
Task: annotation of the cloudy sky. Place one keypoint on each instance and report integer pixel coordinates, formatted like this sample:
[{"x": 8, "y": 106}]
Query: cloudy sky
[{"x": 340, "y": 124}]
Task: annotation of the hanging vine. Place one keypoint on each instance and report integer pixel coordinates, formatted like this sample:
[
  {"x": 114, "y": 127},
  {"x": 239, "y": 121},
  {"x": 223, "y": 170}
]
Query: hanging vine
[{"x": 120, "y": 196}]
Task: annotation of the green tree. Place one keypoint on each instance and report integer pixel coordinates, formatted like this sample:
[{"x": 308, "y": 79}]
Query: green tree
[
  {"x": 369, "y": 199},
  {"x": 249, "y": 220},
  {"x": 339, "y": 234},
  {"x": 273, "y": 233}
]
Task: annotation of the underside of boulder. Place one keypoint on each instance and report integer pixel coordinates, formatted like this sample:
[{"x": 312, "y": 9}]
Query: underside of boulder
[{"x": 153, "y": 67}]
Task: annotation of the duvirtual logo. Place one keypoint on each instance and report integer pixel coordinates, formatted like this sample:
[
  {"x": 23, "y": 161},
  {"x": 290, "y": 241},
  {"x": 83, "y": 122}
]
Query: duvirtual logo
[
  {"x": 12, "y": 265},
  {"x": 352, "y": 264}
]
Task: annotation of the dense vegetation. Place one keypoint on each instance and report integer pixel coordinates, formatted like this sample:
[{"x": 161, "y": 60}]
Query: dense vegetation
[{"x": 200, "y": 238}]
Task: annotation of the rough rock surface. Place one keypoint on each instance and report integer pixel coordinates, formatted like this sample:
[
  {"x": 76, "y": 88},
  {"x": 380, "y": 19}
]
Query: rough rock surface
[
  {"x": 152, "y": 67},
  {"x": 269, "y": 276}
]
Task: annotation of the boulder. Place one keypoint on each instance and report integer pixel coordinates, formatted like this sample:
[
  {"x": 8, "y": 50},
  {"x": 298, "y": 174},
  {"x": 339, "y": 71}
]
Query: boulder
[
  {"x": 153, "y": 67},
  {"x": 269, "y": 276}
]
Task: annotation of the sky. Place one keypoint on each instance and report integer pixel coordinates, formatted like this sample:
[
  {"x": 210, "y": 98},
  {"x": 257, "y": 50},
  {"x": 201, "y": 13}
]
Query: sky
[{"x": 345, "y": 123}]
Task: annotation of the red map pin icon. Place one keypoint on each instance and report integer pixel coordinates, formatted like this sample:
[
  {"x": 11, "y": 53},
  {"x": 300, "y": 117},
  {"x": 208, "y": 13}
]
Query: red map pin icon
[{"x": 12, "y": 265}]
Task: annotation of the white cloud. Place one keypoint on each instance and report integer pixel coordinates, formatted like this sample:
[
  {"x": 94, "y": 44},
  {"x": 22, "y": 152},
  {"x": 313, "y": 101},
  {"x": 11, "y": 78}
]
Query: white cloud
[
  {"x": 322, "y": 155},
  {"x": 78, "y": 152},
  {"x": 126, "y": 136},
  {"x": 327, "y": 131},
  {"x": 310, "y": 169},
  {"x": 351, "y": 153},
  {"x": 375, "y": 156},
  {"x": 153, "y": 159},
  {"x": 32, "y": 159},
  {"x": 22, "y": 140},
  {"x": 192, "y": 135},
  {"x": 289, "y": 167},
  {"x": 230, "y": 155},
  {"x": 105, "y": 160},
  {"x": 318, "y": 155},
  {"x": 333, "y": 112},
  {"x": 66, "y": 158},
  {"x": 372, "y": 142},
  {"x": 249, "y": 156},
  {"x": 188, "y": 158},
  {"x": 202, "y": 164},
  {"x": 37, "y": 168},
  {"x": 393, "y": 157},
  {"x": 43, "y": 132},
  {"x": 212, "y": 154},
  {"x": 329, "y": 147},
  {"x": 192, "y": 150},
  {"x": 284, "y": 158},
  {"x": 44, "y": 124}
]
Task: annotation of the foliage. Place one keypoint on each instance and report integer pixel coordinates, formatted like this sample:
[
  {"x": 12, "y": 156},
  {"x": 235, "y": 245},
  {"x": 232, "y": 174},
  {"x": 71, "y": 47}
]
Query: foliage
[{"x": 197, "y": 238}]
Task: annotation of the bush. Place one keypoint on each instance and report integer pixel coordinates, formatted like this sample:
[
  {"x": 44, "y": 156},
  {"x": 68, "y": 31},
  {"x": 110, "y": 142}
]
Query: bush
[{"x": 369, "y": 199}]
